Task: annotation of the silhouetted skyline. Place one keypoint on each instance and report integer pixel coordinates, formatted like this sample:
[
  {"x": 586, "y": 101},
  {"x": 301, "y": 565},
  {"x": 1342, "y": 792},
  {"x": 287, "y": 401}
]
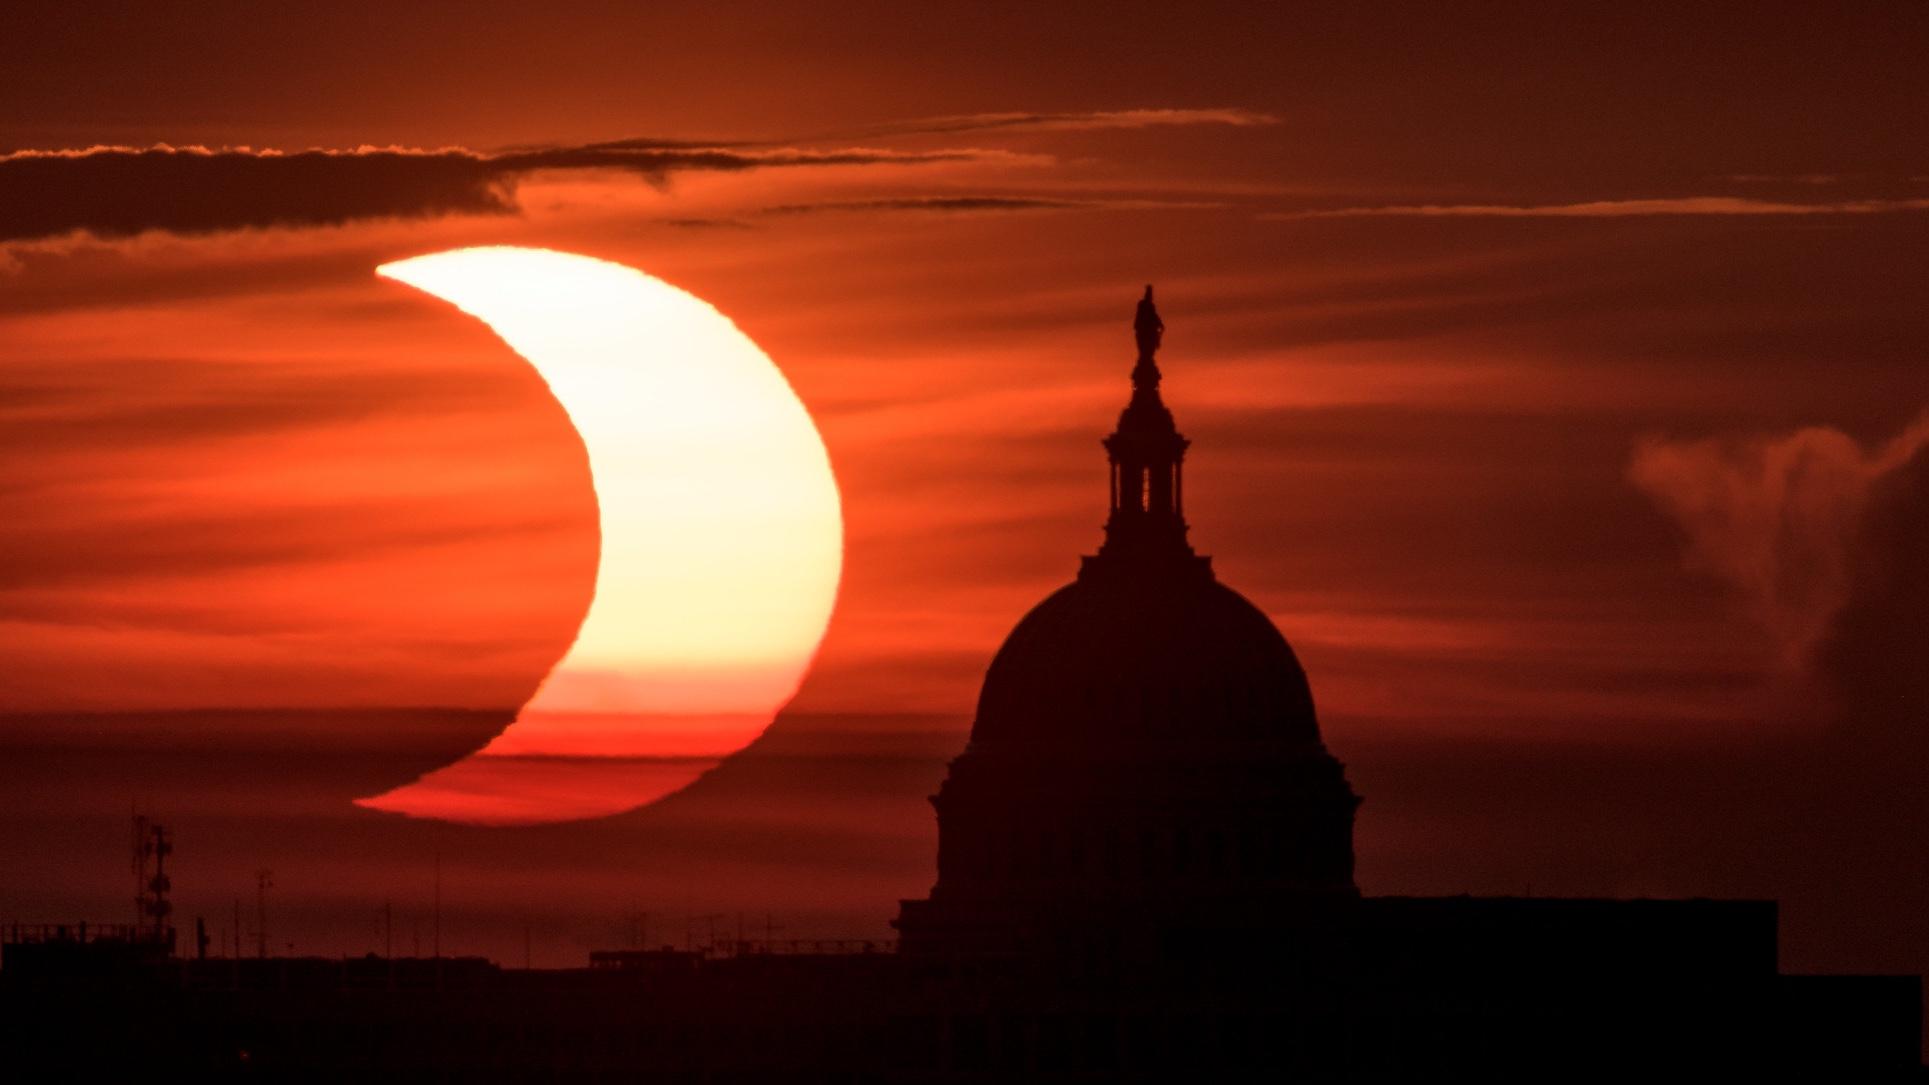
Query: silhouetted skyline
[
  {"x": 1145, "y": 868},
  {"x": 1556, "y": 379}
]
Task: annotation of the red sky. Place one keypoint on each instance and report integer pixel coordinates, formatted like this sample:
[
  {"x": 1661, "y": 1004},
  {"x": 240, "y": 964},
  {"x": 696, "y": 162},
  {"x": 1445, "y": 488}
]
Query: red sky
[{"x": 1540, "y": 364}]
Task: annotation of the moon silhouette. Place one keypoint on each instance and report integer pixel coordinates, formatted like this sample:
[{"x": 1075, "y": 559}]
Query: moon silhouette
[{"x": 722, "y": 539}]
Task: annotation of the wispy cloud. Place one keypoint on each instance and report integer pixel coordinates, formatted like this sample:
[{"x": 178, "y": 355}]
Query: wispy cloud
[
  {"x": 1788, "y": 178},
  {"x": 974, "y": 204},
  {"x": 1682, "y": 205},
  {"x": 1084, "y": 121},
  {"x": 932, "y": 203},
  {"x": 940, "y": 205},
  {"x": 707, "y": 224},
  {"x": 1820, "y": 537},
  {"x": 1776, "y": 518},
  {"x": 963, "y": 123}
]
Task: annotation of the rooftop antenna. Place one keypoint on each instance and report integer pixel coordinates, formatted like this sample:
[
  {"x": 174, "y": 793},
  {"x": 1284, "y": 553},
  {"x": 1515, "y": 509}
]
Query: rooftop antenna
[{"x": 153, "y": 843}]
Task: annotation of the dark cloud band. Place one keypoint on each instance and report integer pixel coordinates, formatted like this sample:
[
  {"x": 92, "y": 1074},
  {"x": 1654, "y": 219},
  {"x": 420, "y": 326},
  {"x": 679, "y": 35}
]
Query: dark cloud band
[
  {"x": 117, "y": 192},
  {"x": 122, "y": 191}
]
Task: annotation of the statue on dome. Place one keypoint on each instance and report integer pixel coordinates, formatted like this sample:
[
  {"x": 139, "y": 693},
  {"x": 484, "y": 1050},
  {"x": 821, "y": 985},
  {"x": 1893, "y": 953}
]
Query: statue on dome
[{"x": 1147, "y": 325}]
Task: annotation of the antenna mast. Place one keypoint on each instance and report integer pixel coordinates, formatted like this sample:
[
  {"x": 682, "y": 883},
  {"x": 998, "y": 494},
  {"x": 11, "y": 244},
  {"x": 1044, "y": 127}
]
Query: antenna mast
[{"x": 153, "y": 843}]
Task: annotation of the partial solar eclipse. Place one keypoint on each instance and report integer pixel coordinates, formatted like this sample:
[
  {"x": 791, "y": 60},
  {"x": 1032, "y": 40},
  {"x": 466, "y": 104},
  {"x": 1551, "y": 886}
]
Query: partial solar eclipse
[{"x": 722, "y": 539}]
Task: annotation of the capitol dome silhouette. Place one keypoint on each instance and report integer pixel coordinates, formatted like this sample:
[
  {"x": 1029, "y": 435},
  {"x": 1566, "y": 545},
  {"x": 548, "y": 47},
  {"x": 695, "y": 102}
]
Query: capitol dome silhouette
[
  {"x": 1146, "y": 751},
  {"x": 1180, "y": 659},
  {"x": 1146, "y": 645}
]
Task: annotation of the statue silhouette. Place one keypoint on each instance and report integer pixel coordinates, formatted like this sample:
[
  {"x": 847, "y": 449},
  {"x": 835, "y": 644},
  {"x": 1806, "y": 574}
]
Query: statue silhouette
[{"x": 1147, "y": 325}]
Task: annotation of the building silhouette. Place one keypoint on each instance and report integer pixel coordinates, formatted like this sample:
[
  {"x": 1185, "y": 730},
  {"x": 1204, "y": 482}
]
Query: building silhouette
[
  {"x": 1145, "y": 873},
  {"x": 1145, "y": 751}
]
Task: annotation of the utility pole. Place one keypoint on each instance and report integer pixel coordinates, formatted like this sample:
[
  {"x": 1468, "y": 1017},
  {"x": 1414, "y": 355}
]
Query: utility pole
[
  {"x": 437, "y": 925},
  {"x": 141, "y": 853},
  {"x": 388, "y": 929},
  {"x": 159, "y": 909},
  {"x": 264, "y": 881}
]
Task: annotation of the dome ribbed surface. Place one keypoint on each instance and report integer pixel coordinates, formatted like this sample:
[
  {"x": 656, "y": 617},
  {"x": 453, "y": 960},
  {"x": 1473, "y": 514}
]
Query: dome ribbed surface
[{"x": 1161, "y": 657}]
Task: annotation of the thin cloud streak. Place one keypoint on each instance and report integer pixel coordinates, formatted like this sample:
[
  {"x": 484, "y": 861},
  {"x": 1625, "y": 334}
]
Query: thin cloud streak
[
  {"x": 972, "y": 204},
  {"x": 933, "y": 203},
  {"x": 939, "y": 205},
  {"x": 1083, "y": 121},
  {"x": 1687, "y": 205},
  {"x": 955, "y": 124}
]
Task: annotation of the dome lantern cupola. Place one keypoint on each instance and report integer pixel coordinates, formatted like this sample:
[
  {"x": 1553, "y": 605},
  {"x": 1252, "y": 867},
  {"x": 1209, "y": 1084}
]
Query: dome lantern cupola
[{"x": 1147, "y": 517}]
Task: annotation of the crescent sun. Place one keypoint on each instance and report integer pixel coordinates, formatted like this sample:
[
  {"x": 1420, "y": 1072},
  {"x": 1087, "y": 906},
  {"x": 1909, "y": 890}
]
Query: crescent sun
[{"x": 722, "y": 539}]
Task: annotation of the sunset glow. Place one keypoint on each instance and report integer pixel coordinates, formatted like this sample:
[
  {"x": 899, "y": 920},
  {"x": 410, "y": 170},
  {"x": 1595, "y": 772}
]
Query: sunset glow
[
  {"x": 521, "y": 471},
  {"x": 721, "y": 532}
]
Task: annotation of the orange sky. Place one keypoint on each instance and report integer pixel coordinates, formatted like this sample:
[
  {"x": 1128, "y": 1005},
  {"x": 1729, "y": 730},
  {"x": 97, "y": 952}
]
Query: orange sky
[
  {"x": 250, "y": 473},
  {"x": 1540, "y": 366}
]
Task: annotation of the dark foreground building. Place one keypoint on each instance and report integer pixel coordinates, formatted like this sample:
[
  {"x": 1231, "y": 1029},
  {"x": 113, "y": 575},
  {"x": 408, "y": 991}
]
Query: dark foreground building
[{"x": 1145, "y": 873}]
